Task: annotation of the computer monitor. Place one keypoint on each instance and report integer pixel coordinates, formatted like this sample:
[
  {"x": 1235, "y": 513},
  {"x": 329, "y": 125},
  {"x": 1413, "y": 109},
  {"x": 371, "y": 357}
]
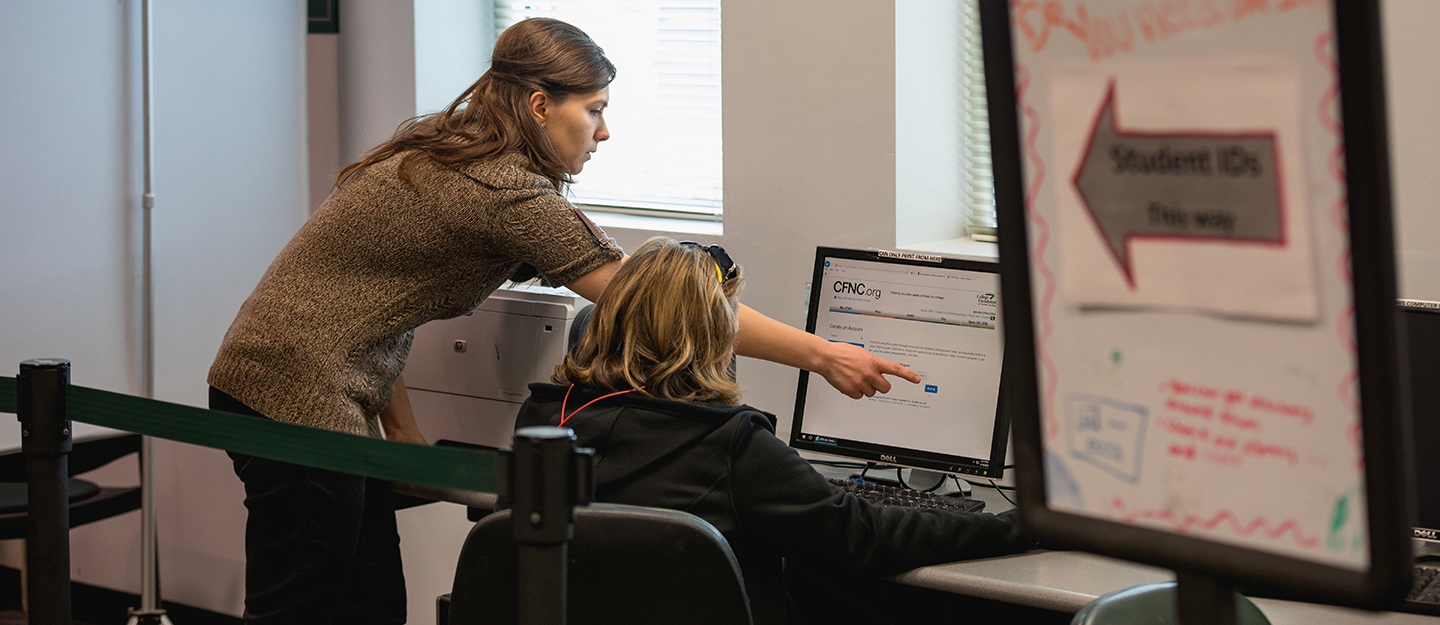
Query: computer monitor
[
  {"x": 938, "y": 316},
  {"x": 1421, "y": 320},
  {"x": 1150, "y": 387}
]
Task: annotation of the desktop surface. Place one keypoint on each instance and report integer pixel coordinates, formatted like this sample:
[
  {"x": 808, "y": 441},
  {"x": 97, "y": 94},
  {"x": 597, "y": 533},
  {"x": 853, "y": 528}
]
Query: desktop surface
[{"x": 1064, "y": 581}]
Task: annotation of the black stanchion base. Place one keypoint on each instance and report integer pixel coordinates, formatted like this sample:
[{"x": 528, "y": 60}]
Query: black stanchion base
[{"x": 149, "y": 617}]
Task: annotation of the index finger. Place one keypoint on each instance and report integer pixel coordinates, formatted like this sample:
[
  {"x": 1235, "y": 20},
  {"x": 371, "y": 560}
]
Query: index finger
[{"x": 897, "y": 369}]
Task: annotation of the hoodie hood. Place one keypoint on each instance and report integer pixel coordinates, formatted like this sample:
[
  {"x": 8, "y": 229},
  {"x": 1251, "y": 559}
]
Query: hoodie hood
[{"x": 635, "y": 435}]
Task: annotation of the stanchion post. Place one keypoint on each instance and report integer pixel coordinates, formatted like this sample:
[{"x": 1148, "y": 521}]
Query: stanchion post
[
  {"x": 45, "y": 443},
  {"x": 544, "y": 478},
  {"x": 1204, "y": 600}
]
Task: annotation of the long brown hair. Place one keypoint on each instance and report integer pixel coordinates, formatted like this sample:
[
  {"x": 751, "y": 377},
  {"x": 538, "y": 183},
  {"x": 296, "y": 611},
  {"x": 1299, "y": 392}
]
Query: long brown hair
[
  {"x": 493, "y": 116},
  {"x": 665, "y": 322}
]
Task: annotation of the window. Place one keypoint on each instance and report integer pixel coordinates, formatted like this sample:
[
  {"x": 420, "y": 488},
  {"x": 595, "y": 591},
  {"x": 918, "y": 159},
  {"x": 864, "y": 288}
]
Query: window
[
  {"x": 979, "y": 183},
  {"x": 944, "y": 188},
  {"x": 664, "y": 154}
]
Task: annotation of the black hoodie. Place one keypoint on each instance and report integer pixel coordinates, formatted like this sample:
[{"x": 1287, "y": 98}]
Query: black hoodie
[{"x": 725, "y": 465}]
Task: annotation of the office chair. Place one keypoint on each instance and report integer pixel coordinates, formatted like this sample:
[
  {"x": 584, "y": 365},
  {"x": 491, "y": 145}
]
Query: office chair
[
  {"x": 1152, "y": 604},
  {"x": 578, "y": 326},
  {"x": 628, "y": 564}
]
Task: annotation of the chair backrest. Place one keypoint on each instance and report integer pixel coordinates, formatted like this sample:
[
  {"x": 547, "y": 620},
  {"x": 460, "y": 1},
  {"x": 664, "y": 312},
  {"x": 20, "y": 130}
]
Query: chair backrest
[
  {"x": 1152, "y": 604},
  {"x": 578, "y": 326},
  {"x": 628, "y": 564}
]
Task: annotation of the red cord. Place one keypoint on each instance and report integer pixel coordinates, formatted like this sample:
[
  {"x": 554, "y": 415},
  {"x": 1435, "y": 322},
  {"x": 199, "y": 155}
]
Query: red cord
[{"x": 564, "y": 417}]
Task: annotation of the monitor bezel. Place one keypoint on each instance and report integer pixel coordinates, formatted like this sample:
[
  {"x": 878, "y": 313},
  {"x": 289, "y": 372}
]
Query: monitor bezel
[
  {"x": 992, "y": 467},
  {"x": 1422, "y": 428},
  {"x": 1385, "y": 581}
]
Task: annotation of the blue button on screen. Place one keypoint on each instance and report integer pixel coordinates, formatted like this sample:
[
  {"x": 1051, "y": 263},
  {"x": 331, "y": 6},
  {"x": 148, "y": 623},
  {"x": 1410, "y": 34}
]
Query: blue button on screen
[{"x": 931, "y": 388}]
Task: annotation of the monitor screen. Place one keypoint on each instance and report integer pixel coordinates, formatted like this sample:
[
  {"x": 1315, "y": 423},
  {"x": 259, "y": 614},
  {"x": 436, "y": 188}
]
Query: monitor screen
[
  {"x": 1422, "y": 331},
  {"x": 938, "y": 316}
]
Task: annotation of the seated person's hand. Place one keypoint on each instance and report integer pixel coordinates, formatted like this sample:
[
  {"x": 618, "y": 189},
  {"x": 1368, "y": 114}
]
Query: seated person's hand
[
  {"x": 858, "y": 373},
  {"x": 1012, "y": 516}
]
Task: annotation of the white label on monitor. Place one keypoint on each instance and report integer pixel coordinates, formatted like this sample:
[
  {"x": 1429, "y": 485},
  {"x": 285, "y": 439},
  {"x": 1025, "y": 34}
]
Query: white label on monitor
[{"x": 942, "y": 323}]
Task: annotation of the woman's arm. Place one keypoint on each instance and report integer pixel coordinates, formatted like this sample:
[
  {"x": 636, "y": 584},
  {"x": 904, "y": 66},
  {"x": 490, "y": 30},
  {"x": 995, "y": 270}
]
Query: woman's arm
[
  {"x": 591, "y": 285},
  {"x": 849, "y": 368},
  {"x": 398, "y": 420}
]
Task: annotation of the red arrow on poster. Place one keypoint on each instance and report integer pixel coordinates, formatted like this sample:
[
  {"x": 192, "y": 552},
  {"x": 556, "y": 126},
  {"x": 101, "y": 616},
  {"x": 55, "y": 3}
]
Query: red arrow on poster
[{"x": 1196, "y": 185}]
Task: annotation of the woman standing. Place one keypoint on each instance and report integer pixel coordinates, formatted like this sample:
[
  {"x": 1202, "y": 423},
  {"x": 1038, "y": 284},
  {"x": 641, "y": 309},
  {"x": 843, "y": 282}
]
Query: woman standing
[{"x": 425, "y": 226}]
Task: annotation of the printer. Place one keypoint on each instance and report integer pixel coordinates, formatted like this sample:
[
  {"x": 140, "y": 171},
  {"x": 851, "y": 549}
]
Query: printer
[{"x": 467, "y": 376}]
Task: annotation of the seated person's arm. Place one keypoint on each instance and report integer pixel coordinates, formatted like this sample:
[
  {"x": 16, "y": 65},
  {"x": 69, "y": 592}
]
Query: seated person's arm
[{"x": 779, "y": 497}]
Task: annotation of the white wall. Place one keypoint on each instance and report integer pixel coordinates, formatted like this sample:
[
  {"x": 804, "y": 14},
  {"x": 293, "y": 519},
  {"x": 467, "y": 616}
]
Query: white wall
[
  {"x": 322, "y": 100},
  {"x": 1414, "y": 90},
  {"x": 377, "y": 72},
  {"x": 454, "y": 52},
  {"x": 69, "y": 229},
  {"x": 231, "y": 189},
  {"x": 809, "y": 115},
  {"x": 929, "y": 201}
]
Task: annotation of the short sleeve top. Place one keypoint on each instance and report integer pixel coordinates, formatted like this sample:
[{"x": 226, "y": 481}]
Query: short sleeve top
[{"x": 323, "y": 337}]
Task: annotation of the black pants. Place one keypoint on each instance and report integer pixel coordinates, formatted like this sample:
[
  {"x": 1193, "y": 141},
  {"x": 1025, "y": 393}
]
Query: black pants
[{"x": 320, "y": 547}]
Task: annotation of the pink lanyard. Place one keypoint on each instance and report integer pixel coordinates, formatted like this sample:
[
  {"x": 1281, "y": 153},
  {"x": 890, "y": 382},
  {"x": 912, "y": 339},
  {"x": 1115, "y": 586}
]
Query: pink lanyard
[{"x": 564, "y": 417}]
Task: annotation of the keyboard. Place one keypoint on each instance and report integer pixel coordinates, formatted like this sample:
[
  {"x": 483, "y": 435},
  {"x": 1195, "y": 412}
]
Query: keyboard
[
  {"x": 885, "y": 495},
  {"x": 1426, "y": 588}
]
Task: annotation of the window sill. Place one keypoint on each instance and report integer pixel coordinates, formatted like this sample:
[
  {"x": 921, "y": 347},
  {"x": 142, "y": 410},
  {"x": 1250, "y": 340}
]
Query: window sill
[
  {"x": 963, "y": 247},
  {"x": 675, "y": 225}
]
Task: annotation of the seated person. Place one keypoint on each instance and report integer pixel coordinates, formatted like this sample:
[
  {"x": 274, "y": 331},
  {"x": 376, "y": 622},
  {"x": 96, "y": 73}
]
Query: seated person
[{"x": 648, "y": 387}]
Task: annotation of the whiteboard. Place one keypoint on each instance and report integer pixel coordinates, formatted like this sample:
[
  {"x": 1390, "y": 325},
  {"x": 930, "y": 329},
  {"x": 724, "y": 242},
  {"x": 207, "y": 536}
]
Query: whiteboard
[{"x": 1188, "y": 282}]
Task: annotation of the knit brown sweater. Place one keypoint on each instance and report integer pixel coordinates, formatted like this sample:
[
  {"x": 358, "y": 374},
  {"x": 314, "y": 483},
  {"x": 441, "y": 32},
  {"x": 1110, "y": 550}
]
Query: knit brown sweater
[{"x": 324, "y": 335}]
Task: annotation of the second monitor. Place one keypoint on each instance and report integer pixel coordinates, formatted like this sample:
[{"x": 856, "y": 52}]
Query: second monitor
[{"x": 937, "y": 316}]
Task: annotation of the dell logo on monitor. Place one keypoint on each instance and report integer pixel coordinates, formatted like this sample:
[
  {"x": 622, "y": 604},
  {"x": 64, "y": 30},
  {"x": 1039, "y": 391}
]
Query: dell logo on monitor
[{"x": 887, "y": 458}]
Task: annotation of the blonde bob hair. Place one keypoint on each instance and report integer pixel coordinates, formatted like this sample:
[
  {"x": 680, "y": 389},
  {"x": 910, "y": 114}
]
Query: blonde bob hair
[{"x": 667, "y": 323}]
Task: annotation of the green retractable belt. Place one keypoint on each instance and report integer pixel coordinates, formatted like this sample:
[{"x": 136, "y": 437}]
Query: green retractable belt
[{"x": 438, "y": 467}]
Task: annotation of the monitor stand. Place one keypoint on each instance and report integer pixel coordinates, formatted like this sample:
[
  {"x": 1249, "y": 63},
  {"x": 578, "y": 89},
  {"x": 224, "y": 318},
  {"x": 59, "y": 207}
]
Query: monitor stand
[
  {"x": 925, "y": 480},
  {"x": 920, "y": 479}
]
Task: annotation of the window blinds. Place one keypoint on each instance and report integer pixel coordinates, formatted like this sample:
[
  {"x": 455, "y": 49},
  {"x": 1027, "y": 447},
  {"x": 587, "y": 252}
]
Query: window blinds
[
  {"x": 977, "y": 179},
  {"x": 664, "y": 153}
]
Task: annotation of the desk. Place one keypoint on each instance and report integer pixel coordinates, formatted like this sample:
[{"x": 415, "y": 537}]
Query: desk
[
  {"x": 1059, "y": 581},
  {"x": 1064, "y": 581}
]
